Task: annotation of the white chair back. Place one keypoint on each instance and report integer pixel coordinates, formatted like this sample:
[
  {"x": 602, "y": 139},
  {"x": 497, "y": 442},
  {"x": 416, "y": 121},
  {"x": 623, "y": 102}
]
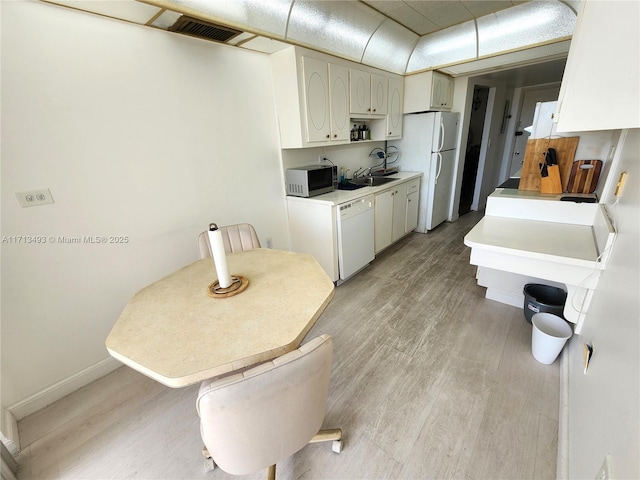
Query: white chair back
[
  {"x": 252, "y": 420},
  {"x": 236, "y": 238}
]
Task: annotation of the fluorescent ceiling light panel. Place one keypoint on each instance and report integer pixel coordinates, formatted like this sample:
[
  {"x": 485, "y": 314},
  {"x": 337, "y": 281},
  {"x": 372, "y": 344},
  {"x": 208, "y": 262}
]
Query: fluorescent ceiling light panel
[
  {"x": 390, "y": 47},
  {"x": 509, "y": 60},
  {"x": 341, "y": 28},
  {"x": 527, "y": 24},
  {"x": 451, "y": 45},
  {"x": 258, "y": 16}
]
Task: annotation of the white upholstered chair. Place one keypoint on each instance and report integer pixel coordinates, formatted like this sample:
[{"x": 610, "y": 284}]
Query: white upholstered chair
[
  {"x": 236, "y": 238},
  {"x": 251, "y": 420}
]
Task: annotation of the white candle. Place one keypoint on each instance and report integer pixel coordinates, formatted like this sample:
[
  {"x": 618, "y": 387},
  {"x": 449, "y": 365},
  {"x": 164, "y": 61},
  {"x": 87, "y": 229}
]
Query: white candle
[{"x": 219, "y": 256}]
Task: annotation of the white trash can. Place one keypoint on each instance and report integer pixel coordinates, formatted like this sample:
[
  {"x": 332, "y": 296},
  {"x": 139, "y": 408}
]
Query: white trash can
[{"x": 550, "y": 333}]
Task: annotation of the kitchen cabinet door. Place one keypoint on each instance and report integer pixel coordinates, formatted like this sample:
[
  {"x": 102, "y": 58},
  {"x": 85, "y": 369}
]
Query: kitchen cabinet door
[
  {"x": 394, "y": 116},
  {"x": 379, "y": 94},
  {"x": 599, "y": 88},
  {"x": 442, "y": 91},
  {"x": 412, "y": 212},
  {"x": 428, "y": 91},
  {"x": 399, "y": 219},
  {"x": 339, "y": 95},
  {"x": 383, "y": 220},
  {"x": 316, "y": 99},
  {"x": 359, "y": 91}
]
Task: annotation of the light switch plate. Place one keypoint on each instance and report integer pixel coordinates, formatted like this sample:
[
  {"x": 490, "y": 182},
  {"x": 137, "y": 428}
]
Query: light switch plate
[{"x": 34, "y": 198}]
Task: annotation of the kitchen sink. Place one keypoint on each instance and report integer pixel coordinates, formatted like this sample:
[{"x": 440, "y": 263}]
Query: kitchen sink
[{"x": 372, "y": 181}]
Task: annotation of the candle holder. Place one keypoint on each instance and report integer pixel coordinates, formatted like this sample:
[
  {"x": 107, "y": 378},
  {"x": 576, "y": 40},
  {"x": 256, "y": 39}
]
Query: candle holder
[{"x": 238, "y": 285}]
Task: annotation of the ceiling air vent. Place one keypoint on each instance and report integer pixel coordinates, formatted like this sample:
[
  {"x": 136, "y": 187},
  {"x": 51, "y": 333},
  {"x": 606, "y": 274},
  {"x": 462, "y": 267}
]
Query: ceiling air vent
[{"x": 198, "y": 28}]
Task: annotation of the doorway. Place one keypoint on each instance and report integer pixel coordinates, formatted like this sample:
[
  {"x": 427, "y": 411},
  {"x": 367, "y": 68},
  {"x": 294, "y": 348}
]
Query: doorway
[
  {"x": 474, "y": 145},
  {"x": 530, "y": 98}
]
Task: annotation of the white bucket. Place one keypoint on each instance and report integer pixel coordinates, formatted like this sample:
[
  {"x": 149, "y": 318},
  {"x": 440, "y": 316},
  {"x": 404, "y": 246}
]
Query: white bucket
[{"x": 550, "y": 333}]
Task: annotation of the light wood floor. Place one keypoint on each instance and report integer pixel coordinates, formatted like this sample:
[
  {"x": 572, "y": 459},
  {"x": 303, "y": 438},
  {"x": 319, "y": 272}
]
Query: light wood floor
[{"x": 430, "y": 380}]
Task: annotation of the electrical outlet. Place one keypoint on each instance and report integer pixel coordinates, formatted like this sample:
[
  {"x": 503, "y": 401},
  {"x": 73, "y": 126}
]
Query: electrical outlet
[
  {"x": 605, "y": 470},
  {"x": 34, "y": 198},
  {"x": 269, "y": 242}
]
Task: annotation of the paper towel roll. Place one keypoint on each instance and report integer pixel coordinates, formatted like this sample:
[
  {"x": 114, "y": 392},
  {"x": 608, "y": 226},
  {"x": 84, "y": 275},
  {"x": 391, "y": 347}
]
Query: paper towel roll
[{"x": 219, "y": 256}]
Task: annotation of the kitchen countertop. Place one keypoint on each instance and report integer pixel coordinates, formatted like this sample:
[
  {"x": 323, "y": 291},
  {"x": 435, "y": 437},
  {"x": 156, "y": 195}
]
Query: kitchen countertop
[
  {"x": 526, "y": 239},
  {"x": 560, "y": 242},
  {"x": 341, "y": 196}
]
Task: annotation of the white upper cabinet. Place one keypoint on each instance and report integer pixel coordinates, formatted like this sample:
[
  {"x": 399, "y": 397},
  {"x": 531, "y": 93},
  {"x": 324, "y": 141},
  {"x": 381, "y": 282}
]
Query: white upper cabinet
[
  {"x": 339, "y": 102},
  {"x": 316, "y": 99},
  {"x": 428, "y": 91},
  {"x": 394, "y": 116},
  {"x": 368, "y": 92},
  {"x": 359, "y": 91},
  {"x": 316, "y": 95},
  {"x": 379, "y": 94},
  {"x": 600, "y": 87}
]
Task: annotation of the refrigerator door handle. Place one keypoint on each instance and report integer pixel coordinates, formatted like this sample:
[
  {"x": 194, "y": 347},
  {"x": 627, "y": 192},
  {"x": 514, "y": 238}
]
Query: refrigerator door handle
[
  {"x": 441, "y": 135},
  {"x": 439, "y": 167}
]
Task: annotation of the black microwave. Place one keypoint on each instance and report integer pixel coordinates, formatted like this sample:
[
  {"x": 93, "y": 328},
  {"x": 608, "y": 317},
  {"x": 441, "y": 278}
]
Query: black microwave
[{"x": 311, "y": 180}]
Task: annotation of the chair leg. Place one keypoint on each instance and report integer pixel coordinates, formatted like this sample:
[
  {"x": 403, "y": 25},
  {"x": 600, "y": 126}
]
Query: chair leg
[
  {"x": 271, "y": 473},
  {"x": 209, "y": 464},
  {"x": 331, "y": 434}
]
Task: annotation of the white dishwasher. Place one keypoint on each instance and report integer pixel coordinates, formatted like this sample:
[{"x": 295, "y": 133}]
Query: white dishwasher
[{"x": 355, "y": 236}]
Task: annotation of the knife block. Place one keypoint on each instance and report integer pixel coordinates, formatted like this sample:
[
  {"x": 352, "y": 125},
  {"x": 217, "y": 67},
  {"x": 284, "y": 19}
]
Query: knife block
[
  {"x": 552, "y": 182},
  {"x": 535, "y": 153}
]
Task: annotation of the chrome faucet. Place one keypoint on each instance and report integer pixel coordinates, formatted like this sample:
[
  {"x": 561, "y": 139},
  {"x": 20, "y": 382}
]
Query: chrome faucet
[{"x": 358, "y": 172}]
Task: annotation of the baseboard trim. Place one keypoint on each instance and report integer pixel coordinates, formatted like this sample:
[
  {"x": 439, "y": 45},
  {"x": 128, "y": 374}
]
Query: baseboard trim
[
  {"x": 9, "y": 432},
  {"x": 61, "y": 389},
  {"x": 562, "y": 465}
]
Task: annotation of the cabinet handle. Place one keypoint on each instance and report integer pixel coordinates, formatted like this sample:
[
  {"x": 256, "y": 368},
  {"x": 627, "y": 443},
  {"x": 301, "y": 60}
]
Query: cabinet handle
[
  {"x": 374, "y": 109},
  {"x": 335, "y": 135},
  {"x": 389, "y": 133},
  {"x": 328, "y": 136}
]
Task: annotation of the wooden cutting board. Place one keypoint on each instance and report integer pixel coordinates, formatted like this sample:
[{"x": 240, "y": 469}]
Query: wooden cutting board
[
  {"x": 535, "y": 154},
  {"x": 584, "y": 176}
]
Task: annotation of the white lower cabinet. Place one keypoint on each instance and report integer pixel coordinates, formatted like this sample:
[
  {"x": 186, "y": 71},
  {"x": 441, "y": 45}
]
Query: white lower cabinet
[
  {"x": 396, "y": 213},
  {"x": 383, "y": 220},
  {"x": 413, "y": 192},
  {"x": 312, "y": 227},
  {"x": 313, "y": 223}
]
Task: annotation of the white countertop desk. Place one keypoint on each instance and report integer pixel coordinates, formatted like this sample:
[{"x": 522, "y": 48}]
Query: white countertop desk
[
  {"x": 175, "y": 333},
  {"x": 529, "y": 239}
]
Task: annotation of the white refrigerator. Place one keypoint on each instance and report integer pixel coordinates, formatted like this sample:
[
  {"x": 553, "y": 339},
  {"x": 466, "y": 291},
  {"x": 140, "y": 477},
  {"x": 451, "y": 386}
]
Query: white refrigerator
[{"x": 428, "y": 145}]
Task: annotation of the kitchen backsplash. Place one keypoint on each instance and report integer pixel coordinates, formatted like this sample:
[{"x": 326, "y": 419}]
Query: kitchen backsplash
[{"x": 351, "y": 157}]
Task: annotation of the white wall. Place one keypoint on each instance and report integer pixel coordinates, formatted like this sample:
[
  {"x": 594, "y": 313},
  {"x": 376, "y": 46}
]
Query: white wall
[
  {"x": 604, "y": 403},
  {"x": 138, "y": 133}
]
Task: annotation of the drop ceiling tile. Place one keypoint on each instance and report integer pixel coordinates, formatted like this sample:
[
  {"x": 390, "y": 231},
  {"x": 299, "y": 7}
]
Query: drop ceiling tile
[
  {"x": 264, "y": 45},
  {"x": 478, "y": 8},
  {"x": 444, "y": 13},
  {"x": 404, "y": 15},
  {"x": 167, "y": 19},
  {"x": 129, "y": 10}
]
